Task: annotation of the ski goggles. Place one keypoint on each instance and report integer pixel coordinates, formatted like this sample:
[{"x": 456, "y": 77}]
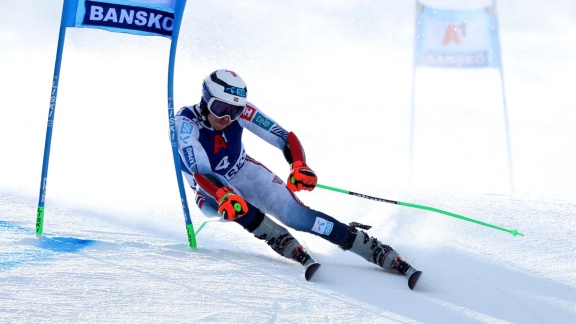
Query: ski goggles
[{"x": 222, "y": 109}]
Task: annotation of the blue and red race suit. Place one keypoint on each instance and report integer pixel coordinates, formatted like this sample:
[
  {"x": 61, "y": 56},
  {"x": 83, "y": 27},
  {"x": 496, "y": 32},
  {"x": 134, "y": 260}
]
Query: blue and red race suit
[{"x": 221, "y": 154}]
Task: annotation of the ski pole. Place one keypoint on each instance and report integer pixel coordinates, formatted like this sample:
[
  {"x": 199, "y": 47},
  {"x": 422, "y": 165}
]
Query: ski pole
[
  {"x": 210, "y": 219},
  {"x": 513, "y": 232}
]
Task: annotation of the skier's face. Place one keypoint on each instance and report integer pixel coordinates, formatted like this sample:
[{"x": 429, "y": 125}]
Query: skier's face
[{"x": 219, "y": 123}]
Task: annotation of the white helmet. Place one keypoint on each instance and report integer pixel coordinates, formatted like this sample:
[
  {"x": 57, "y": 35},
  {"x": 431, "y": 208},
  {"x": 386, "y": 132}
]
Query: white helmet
[{"x": 225, "y": 85}]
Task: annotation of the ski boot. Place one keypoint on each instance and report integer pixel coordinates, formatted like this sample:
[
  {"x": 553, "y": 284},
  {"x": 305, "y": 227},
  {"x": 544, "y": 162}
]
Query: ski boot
[
  {"x": 371, "y": 249},
  {"x": 283, "y": 243}
]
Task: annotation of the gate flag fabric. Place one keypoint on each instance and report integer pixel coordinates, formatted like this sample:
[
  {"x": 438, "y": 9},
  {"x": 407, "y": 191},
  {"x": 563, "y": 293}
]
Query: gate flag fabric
[
  {"x": 143, "y": 17},
  {"x": 456, "y": 38},
  {"x": 140, "y": 17}
]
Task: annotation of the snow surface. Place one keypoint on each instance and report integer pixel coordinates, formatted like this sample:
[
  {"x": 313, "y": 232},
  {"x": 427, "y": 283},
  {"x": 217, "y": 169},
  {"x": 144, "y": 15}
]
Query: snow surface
[{"x": 337, "y": 73}]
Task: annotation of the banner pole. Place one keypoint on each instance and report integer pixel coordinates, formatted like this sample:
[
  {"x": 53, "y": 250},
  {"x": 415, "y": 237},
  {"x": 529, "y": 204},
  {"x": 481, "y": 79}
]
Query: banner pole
[
  {"x": 49, "y": 127},
  {"x": 504, "y": 103},
  {"x": 178, "y": 11},
  {"x": 412, "y": 101}
]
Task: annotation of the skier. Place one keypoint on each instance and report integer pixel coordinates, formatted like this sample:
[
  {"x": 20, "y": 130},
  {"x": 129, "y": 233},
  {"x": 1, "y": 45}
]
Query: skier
[{"x": 230, "y": 183}]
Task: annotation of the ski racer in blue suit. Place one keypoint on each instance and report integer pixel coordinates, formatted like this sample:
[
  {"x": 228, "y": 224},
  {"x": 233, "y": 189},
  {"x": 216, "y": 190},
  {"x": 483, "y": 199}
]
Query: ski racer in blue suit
[{"x": 230, "y": 183}]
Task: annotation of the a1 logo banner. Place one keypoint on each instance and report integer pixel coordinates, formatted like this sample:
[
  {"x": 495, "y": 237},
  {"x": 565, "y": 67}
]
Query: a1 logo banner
[{"x": 456, "y": 38}]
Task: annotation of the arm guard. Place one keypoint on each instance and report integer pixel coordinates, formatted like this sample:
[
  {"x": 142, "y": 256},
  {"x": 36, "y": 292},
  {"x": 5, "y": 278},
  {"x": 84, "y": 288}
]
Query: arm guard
[
  {"x": 208, "y": 183},
  {"x": 293, "y": 150}
]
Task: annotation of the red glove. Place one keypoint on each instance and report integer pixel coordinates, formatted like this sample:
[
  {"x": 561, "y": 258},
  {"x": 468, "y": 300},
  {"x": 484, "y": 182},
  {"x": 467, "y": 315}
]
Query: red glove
[
  {"x": 230, "y": 205},
  {"x": 301, "y": 177}
]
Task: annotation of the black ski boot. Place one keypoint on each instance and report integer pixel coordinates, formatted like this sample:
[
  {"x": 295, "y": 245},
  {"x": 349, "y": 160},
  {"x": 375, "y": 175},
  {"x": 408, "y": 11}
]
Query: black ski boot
[
  {"x": 281, "y": 241},
  {"x": 371, "y": 249}
]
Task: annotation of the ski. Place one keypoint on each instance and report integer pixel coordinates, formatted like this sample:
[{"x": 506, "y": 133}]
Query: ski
[
  {"x": 311, "y": 270},
  {"x": 413, "y": 279},
  {"x": 412, "y": 276}
]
